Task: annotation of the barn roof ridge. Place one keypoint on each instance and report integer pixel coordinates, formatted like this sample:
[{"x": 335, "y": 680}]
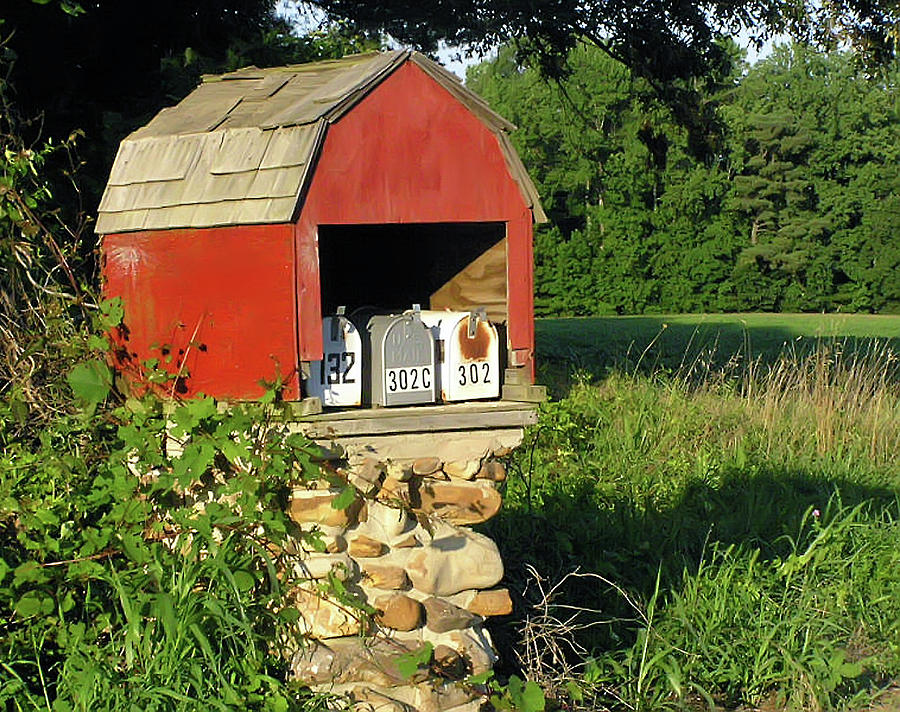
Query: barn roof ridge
[
  {"x": 285, "y": 68},
  {"x": 239, "y": 148}
]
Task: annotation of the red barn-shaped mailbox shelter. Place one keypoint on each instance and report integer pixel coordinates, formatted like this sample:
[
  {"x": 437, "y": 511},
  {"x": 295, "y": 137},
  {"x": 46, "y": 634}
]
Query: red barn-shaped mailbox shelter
[{"x": 235, "y": 220}]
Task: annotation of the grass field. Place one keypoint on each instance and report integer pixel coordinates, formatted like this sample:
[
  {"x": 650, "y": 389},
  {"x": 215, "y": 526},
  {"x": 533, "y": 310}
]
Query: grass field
[
  {"x": 727, "y": 488},
  {"x": 679, "y": 342}
]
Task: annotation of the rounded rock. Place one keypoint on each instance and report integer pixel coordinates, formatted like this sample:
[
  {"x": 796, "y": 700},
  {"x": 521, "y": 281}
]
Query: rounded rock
[
  {"x": 364, "y": 547},
  {"x": 399, "y": 612},
  {"x": 453, "y": 562}
]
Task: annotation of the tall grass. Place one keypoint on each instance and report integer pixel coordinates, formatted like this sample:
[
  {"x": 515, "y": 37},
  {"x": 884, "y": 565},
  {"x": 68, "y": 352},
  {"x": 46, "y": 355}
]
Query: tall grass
[
  {"x": 752, "y": 510},
  {"x": 845, "y": 402}
]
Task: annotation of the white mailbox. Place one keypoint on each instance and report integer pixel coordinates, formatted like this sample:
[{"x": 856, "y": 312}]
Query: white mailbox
[
  {"x": 469, "y": 352},
  {"x": 337, "y": 378}
]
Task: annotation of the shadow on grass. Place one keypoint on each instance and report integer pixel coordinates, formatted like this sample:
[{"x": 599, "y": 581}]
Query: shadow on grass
[
  {"x": 693, "y": 347},
  {"x": 632, "y": 542}
]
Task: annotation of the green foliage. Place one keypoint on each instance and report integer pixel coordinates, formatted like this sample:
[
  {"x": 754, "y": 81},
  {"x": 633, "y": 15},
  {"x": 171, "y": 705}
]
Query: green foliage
[
  {"x": 744, "y": 524},
  {"x": 701, "y": 346},
  {"x": 29, "y": 250},
  {"x": 143, "y": 544},
  {"x": 790, "y": 209},
  {"x": 516, "y": 695},
  {"x": 676, "y": 48},
  {"x": 136, "y": 559},
  {"x": 345, "y": 498},
  {"x": 408, "y": 664},
  {"x": 141, "y": 560},
  {"x": 90, "y": 382},
  {"x": 809, "y": 626}
]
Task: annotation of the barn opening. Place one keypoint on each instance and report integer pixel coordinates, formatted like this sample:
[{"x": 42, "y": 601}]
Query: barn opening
[{"x": 390, "y": 267}]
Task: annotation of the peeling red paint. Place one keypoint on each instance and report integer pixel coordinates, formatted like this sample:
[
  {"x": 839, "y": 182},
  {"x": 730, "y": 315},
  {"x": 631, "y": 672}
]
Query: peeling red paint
[{"x": 218, "y": 300}]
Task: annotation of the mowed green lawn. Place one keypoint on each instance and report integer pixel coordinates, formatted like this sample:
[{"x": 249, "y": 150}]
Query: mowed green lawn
[{"x": 678, "y": 341}]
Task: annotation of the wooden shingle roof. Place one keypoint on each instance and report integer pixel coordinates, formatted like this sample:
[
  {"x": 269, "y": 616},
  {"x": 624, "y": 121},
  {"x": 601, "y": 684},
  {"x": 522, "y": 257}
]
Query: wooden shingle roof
[{"x": 239, "y": 149}]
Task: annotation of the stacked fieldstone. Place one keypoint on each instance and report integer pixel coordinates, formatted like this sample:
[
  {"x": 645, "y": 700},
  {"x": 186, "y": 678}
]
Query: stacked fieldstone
[{"x": 404, "y": 547}]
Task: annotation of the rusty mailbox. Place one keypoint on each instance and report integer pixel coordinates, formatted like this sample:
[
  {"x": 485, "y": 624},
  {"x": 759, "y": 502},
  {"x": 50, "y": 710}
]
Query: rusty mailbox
[
  {"x": 337, "y": 378},
  {"x": 469, "y": 354},
  {"x": 402, "y": 361}
]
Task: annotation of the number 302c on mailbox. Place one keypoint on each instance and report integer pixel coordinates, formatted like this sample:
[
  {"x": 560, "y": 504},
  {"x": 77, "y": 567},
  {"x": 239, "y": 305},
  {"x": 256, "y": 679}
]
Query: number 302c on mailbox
[{"x": 402, "y": 360}]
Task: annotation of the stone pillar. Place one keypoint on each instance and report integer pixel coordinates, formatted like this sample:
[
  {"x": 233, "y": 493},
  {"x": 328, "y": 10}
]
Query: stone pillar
[{"x": 406, "y": 547}]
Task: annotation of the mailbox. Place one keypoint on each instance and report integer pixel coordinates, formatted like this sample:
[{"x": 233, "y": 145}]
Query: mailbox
[
  {"x": 469, "y": 348},
  {"x": 337, "y": 378},
  {"x": 402, "y": 361}
]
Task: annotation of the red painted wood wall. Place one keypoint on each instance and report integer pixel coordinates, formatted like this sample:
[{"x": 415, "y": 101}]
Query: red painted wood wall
[
  {"x": 216, "y": 305},
  {"x": 408, "y": 152}
]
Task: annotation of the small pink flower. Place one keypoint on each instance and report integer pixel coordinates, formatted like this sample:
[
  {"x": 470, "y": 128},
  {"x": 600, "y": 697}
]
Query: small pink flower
[{"x": 816, "y": 513}]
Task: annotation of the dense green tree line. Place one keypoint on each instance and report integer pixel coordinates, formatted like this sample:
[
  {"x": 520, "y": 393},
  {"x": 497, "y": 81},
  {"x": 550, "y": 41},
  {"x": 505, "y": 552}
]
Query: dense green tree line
[
  {"x": 676, "y": 47},
  {"x": 792, "y": 205}
]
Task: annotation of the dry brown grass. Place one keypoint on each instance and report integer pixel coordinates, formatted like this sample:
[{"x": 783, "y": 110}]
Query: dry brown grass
[{"x": 840, "y": 403}]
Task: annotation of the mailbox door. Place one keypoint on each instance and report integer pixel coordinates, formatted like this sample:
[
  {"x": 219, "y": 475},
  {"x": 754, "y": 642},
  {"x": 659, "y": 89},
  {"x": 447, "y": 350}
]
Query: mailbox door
[
  {"x": 406, "y": 360},
  {"x": 473, "y": 362},
  {"x": 337, "y": 379},
  {"x": 469, "y": 367}
]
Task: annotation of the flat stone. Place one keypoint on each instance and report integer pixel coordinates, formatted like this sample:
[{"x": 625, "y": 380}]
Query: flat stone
[
  {"x": 314, "y": 506},
  {"x": 318, "y": 566},
  {"x": 385, "y": 577},
  {"x": 492, "y": 470},
  {"x": 350, "y": 659},
  {"x": 454, "y": 561},
  {"x": 408, "y": 447},
  {"x": 362, "y": 546},
  {"x": 323, "y": 617},
  {"x": 367, "y": 488},
  {"x": 368, "y": 700},
  {"x": 491, "y": 603},
  {"x": 366, "y": 476},
  {"x": 458, "y": 503},
  {"x": 437, "y": 697},
  {"x": 439, "y": 475},
  {"x": 426, "y": 466},
  {"x": 463, "y": 598},
  {"x": 400, "y": 470},
  {"x": 442, "y": 616},
  {"x": 399, "y": 612},
  {"x": 407, "y": 542},
  {"x": 475, "y": 646},
  {"x": 394, "y": 492},
  {"x": 472, "y": 706},
  {"x": 462, "y": 469},
  {"x": 370, "y": 470},
  {"x": 387, "y": 522},
  {"x": 427, "y": 696}
]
